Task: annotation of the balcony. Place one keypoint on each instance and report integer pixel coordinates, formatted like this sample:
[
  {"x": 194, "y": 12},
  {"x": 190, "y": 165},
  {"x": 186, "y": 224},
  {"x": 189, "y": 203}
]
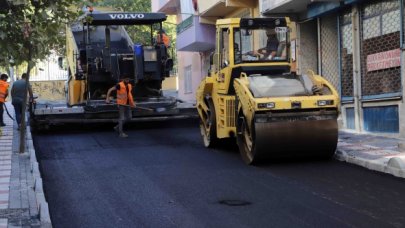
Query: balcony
[
  {"x": 283, "y": 6},
  {"x": 194, "y": 36},
  {"x": 165, "y": 6},
  {"x": 210, "y": 10},
  {"x": 312, "y": 8}
]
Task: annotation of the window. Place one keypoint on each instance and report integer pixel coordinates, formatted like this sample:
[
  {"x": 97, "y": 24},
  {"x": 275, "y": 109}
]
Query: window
[
  {"x": 380, "y": 18},
  {"x": 347, "y": 39},
  {"x": 272, "y": 44},
  {"x": 187, "y": 9},
  {"x": 187, "y": 80},
  {"x": 224, "y": 48}
]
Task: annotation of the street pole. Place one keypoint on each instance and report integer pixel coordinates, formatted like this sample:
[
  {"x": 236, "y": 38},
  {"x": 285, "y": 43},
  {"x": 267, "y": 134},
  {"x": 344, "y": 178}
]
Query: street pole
[{"x": 24, "y": 104}]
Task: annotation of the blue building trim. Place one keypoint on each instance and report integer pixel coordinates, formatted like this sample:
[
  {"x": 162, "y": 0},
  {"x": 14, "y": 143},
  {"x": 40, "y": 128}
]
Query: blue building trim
[
  {"x": 350, "y": 118},
  {"x": 317, "y": 9},
  {"x": 382, "y": 96},
  {"x": 348, "y": 2},
  {"x": 381, "y": 119},
  {"x": 347, "y": 99}
]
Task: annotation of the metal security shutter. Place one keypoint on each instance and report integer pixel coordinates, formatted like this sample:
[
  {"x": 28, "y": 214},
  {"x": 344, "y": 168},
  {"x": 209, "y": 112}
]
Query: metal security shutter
[
  {"x": 329, "y": 49},
  {"x": 346, "y": 53},
  {"x": 308, "y": 47},
  {"x": 380, "y": 49}
]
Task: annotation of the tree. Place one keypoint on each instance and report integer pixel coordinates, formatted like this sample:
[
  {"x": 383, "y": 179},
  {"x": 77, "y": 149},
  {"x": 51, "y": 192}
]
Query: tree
[
  {"x": 29, "y": 31},
  {"x": 139, "y": 34}
]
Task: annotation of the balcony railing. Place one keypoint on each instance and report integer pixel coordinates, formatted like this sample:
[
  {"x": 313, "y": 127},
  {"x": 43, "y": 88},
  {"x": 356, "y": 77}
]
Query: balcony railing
[{"x": 185, "y": 24}]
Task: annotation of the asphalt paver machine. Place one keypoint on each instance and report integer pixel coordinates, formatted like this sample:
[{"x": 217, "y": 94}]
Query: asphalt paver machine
[{"x": 99, "y": 54}]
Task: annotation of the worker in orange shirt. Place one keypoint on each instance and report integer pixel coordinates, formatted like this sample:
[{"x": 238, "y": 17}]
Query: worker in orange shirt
[
  {"x": 125, "y": 102},
  {"x": 165, "y": 38},
  {"x": 3, "y": 95}
]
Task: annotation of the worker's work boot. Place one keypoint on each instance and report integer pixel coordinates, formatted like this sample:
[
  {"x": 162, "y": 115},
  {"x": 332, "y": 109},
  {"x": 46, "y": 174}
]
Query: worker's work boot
[
  {"x": 2, "y": 124},
  {"x": 123, "y": 135}
]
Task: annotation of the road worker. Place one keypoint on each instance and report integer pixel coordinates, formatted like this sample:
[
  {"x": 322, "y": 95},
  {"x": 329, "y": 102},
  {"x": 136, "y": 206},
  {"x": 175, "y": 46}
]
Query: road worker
[
  {"x": 3, "y": 95},
  {"x": 17, "y": 94},
  {"x": 164, "y": 40},
  {"x": 125, "y": 102}
]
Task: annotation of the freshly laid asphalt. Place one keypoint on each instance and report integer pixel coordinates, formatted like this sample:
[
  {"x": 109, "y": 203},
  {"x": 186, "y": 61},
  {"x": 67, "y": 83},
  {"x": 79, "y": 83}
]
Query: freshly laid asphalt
[{"x": 163, "y": 176}]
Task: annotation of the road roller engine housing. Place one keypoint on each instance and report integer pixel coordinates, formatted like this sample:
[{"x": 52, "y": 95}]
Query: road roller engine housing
[{"x": 251, "y": 93}]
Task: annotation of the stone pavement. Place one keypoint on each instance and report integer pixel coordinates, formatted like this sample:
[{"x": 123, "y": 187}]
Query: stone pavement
[
  {"x": 22, "y": 201},
  {"x": 383, "y": 154}
]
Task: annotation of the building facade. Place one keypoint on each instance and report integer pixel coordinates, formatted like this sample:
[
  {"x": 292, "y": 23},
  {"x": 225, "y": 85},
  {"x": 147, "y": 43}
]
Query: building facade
[
  {"x": 356, "y": 45},
  {"x": 196, "y": 35}
]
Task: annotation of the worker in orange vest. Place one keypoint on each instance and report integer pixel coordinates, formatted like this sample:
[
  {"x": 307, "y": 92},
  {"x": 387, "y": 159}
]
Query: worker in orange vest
[
  {"x": 165, "y": 38},
  {"x": 3, "y": 95},
  {"x": 125, "y": 102}
]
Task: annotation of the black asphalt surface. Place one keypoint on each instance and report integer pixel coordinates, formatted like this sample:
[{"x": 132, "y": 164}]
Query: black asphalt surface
[{"x": 163, "y": 176}]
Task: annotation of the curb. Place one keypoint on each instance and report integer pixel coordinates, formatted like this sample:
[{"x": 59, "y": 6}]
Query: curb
[
  {"x": 391, "y": 165},
  {"x": 42, "y": 204}
]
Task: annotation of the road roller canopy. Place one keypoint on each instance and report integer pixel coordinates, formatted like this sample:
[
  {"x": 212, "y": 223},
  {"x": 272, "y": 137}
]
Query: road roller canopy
[{"x": 124, "y": 18}]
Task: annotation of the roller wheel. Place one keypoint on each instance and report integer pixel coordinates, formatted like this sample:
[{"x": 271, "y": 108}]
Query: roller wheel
[
  {"x": 209, "y": 129},
  {"x": 245, "y": 141}
]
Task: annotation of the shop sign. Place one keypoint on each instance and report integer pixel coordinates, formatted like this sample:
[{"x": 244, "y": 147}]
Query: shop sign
[{"x": 384, "y": 60}]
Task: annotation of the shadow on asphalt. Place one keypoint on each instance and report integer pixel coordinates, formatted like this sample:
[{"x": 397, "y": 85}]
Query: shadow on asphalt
[
  {"x": 105, "y": 127},
  {"x": 226, "y": 146}
]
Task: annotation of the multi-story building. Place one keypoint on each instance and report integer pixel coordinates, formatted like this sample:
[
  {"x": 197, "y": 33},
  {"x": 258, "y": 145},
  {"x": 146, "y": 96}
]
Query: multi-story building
[
  {"x": 357, "y": 45},
  {"x": 196, "y": 35}
]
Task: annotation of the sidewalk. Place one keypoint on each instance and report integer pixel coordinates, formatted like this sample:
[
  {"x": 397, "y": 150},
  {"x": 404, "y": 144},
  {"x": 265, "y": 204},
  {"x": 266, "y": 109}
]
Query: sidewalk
[
  {"x": 373, "y": 152},
  {"x": 22, "y": 201}
]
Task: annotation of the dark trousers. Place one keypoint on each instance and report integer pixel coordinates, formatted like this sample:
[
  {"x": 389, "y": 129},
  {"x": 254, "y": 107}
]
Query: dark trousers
[
  {"x": 1, "y": 112},
  {"x": 18, "y": 111},
  {"x": 125, "y": 115}
]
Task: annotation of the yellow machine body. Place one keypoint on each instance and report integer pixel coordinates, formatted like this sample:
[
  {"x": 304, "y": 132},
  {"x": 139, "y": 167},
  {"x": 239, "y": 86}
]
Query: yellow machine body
[{"x": 271, "y": 111}]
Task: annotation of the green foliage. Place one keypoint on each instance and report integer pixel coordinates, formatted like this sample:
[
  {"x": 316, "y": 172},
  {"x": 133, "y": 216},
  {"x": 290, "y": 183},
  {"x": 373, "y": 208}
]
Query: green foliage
[
  {"x": 39, "y": 26},
  {"x": 28, "y": 32},
  {"x": 139, "y": 34}
]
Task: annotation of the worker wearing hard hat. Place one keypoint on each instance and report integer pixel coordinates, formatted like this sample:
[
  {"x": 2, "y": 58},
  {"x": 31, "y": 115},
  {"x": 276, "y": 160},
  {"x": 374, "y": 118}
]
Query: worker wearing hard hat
[{"x": 125, "y": 102}]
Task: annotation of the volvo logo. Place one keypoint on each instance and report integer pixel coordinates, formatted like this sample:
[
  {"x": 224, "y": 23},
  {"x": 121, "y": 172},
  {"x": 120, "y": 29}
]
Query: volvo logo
[{"x": 121, "y": 16}]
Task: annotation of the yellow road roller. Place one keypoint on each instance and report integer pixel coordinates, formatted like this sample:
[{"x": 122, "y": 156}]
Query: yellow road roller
[{"x": 253, "y": 94}]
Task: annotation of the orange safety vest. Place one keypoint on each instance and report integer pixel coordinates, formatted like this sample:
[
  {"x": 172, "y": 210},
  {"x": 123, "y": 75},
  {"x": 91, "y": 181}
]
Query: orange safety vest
[
  {"x": 165, "y": 39},
  {"x": 123, "y": 97},
  {"x": 3, "y": 90}
]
